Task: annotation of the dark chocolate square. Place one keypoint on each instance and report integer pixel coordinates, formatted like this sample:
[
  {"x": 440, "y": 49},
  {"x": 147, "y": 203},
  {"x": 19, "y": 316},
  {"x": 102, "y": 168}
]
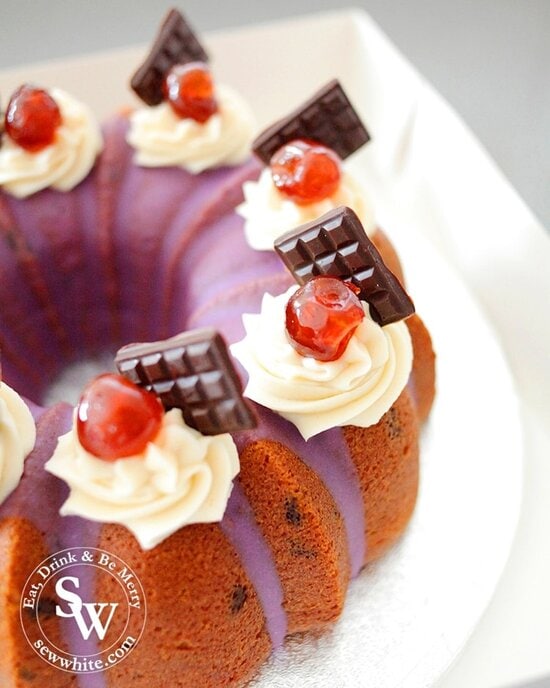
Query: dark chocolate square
[
  {"x": 336, "y": 244},
  {"x": 194, "y": 372},
  {"x": 176, "y": 43},
  {"x": 328, "y": 117}
]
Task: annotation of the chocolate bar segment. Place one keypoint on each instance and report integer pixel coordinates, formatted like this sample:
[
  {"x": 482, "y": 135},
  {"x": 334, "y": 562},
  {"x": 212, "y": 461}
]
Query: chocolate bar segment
[
  {"x": 328, "y": 118},
  {"x": 192, "y": 371},
  {"x": 176, "y": 43},
  {"x": 336, "y": 244}
]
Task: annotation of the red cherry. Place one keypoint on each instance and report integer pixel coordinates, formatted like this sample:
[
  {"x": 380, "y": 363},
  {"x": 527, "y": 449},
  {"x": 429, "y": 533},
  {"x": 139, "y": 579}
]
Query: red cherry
[
  {"x": 305, "y": 171},
  {"x": 116, "y": 418},
  {"x": 32, "y": 118},
  {"x": 190, "y": 91},
  {"x": 322, "y": 316}
]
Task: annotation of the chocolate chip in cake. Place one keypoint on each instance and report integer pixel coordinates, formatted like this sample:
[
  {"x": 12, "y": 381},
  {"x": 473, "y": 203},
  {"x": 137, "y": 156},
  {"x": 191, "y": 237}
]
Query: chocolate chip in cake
[
  {"x": 393, "y": 423},
  {"x": 328, "y": 117},
  {"x": 46, "y": 607},
  {"x": 292, "y": 513},
  {"x": 336, "y": 244},
  {"x": 298, "y": 549},
  {"x": 176, "y": 43},
  {"x": 194, "y": 372},
  {"x": 238, "y": 598},
  {"x": 26, "y": 674}
]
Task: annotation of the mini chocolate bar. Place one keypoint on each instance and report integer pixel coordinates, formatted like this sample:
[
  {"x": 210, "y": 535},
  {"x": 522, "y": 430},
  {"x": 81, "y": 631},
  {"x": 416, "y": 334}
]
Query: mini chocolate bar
[
  {"x": 328, "y": 118},
  {"x": 192, "y": 371},
  {"x": 176, "y": 43},
  {"x": 336, "y": 244}
]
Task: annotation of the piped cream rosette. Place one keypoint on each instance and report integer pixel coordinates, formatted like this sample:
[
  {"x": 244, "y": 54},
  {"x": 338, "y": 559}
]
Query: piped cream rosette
[
  {"x": 356, "y": 389},
  {"x": 61, "y": 165},
  {"x": 17, "y": 437},
  {"x": 182, "y": 477},
  {"x": 268, "y": 214},
  {"x": 161, "y": 138},
  {"x": 327, "y": 119}
]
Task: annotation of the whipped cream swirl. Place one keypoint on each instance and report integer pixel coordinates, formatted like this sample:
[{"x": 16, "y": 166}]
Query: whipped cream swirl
[
  {"x": 182, "y": 477},
  {"x": 61, "y": 165},
  {"x": 357, "y": 389},
  {"x": 162, "y": 139},
  {"x": 268, "y": 214},
  {"x": 17, "y": 437}
]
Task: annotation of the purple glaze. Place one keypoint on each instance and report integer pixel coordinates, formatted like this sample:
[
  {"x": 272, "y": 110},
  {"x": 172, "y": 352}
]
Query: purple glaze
[
  {"x": 158, "y": 213},
  {"x": 88, "y": 271},
  {"x": 40, "y": 495},
  {"x": 225, "y": 309},
  {"x": 223, "y": 262},
  {"x": 75, "y": 533},
  {"x": 240, "y": 527},
  {"x": 36, "y": 411},
  {"x": 179, "y": 288},
  {"x": 22, "y": 316},
  {"x": 38, "y": 499},
  {"x": 221, "y": 296},
  {"x": 49, "y": 223},
  {"x": 141, "y": 274},
  {"x": 328, "y": 455}
]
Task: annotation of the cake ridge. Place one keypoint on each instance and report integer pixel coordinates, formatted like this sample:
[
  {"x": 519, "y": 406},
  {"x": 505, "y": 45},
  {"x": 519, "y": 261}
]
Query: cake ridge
[
  {"x": 41, "y": 506},
  {"x": 208, "y": 214},
  {"x": 84, "y": 198},
  {"x": 273, "y": 283},
  {"x": 26, "y": 261},
  {"x": 335, "y": 468},
  {"x": 109, "y": 171},
  {"x": 147, "y": 235},
  {"x": 12, "y": 355},
  {"x": 242, "y": 531}
]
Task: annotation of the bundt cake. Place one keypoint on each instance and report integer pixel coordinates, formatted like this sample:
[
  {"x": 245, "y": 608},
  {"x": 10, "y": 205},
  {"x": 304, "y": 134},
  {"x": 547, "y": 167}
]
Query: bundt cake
[{"x": 166, "y": 532}]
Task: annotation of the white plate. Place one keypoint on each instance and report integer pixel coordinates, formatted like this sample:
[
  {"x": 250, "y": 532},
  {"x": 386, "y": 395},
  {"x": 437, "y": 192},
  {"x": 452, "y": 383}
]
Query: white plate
[{"x": 408, "y": 616}]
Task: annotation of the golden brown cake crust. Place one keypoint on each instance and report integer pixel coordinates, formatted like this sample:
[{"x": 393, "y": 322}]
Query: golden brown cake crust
[
  {"x": 205, "y": 626},
  {"x": 386, "y": 459},
  {"x": 388, "y": 253},
  {"x": 304, "y": 529},
  {"x": 423, "y": 372},
  {"x": 21, "y": 549}
]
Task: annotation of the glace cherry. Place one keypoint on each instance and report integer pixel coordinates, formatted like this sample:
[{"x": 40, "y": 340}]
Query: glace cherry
[
  {"x": 305, "y": 171},
  {"x": 322, "y": 316},
  {"x": 116, "y": 418},
  {"x": 189, "y": 90},
  {"x": 32, "y": 118}
]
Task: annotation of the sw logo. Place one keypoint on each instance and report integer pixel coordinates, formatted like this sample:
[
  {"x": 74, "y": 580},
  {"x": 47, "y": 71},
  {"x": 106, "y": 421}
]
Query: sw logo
[
  {"x": 89, "y": 616},
  {"x": 83, "y": 635}
]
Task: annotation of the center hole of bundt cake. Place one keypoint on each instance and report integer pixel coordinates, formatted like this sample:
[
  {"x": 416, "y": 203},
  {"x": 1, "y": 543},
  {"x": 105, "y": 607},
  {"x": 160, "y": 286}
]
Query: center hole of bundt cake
[{"x": 68, "y": 385}]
